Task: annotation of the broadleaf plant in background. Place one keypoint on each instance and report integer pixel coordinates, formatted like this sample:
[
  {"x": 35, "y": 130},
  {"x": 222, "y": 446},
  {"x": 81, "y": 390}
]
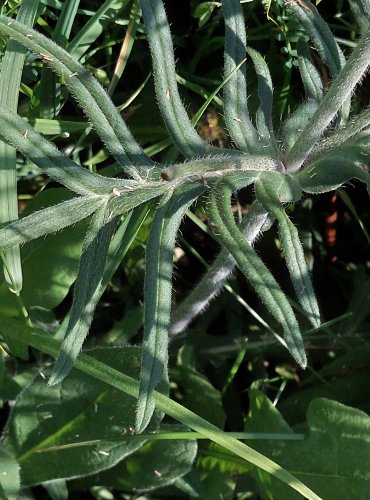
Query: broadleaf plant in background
[{"x": 318, "y": 148}]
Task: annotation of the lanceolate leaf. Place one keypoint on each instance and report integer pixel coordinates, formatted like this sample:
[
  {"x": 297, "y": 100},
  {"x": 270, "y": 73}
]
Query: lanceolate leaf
[
  {"x": 311, "y": 78},
  {"x": 350, "y": 163},
  {"x": 265, "y": 93},
  {"x": 268, "y": 195},
  {"x": 214, "y": 279},
  {"x": 45, "y": 155},
  {"x": 173, "y": 111},
  {"x": 340, "y": 90},
  {"x": 158, "y": 292},
  {"x": 49, "y": 220},
  {"x": 86, "y": 291},
  {"x": 254, "y": 269},
  {"x": 237, "y": 116},
  {"x": 320, "y": 33}
]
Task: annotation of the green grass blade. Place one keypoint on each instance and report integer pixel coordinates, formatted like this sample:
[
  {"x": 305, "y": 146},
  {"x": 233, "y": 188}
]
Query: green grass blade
[
  {"x": 347, "y": 201},
  {"x": 10, "y": 80},
  {"x": 45, "y": 343},
  {"x": 47, "y": 92},
  {"x": 127, "y": 45},
  {"x": 86, "y": 292},
  {"x": 157, "y": 294},
  {"x": 94, "y": 27}
]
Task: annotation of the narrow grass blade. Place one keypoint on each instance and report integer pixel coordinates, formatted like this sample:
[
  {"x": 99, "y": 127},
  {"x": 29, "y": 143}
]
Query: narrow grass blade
[
  {"x": 121, "y": 381},
  {"x": 127, "y": 45},
  {"x": 91, "y": 96},
  {"x": 158, "y": 293},
  {"x": 347, "y": 201},
  {"x": 237, "y": 116},
  {"x": 94, "y": 27},
  {"x": 86, "y": 291},
  {"x": 267, "y": 194},
  {"x": 10, "y": 80},
  {"x": 254, "y": 269},
  {"x": 48, "y": 220},
  {"x": 48, "y": 90}
]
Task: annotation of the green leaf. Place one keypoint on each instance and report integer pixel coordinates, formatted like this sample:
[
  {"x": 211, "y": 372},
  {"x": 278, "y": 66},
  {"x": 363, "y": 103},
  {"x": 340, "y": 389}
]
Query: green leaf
[
  {"x": 337, "y": 96},
  {"x": 336, "y": 168},
  {"x": 203, "y": 12},
  {"x": 269, "y": 193},
  {"x": 254, "y": 269},
  {"x": 199, "y": 395},
  {"x": 90, "y": 95},
  {"x": 158, "y": 293},
  {"x": 238, "y": 122},
  {"x": 333, "y": 458},
  {"x": 10, "y": 80},
  {"x": 265, "y": 95},
  {"x": 115, "y": 378},
  {"x": 90, "y": 31},
  {"x": 51, "y": 263},
  {"x": 310, "y": 75},
  {"x": 46, "y": 156},
  {"x": 156, "y": 464},
  {"x": 214, "y": 279},
  {"x": 345, "y": 380},
  {"x": 172, "y": 109},
  {"x": 86, "y": 292},
  {"x": 9, "y": 476},
  {"x": 79, "y": 410}
]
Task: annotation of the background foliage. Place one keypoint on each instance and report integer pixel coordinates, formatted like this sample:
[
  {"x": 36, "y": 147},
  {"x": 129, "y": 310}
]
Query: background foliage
[{"x": 227, "y": 368}]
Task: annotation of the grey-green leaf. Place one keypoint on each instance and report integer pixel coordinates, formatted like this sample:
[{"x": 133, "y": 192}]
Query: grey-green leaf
[
  {"x": 254, "y": 269},
  {"x": 86, "y": 291},
  {"x": 157, "y": 294}
]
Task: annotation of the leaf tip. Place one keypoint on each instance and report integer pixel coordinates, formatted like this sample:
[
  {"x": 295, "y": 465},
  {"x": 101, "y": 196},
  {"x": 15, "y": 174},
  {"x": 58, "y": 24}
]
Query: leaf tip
[{"x": 61, "y": 369}]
